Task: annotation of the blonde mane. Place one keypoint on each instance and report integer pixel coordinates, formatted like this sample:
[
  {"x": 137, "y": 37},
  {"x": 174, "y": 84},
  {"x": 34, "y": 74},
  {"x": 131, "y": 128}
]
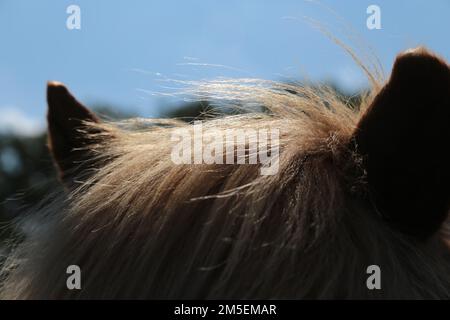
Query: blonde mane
[{"x": 144, "y": 227}]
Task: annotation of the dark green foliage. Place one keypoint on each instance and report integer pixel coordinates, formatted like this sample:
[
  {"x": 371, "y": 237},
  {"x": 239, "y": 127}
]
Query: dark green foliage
[{"x": 26, "y": 174}]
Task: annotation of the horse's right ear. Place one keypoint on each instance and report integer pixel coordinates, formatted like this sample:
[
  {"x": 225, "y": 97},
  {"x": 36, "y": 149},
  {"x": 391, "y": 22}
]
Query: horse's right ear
[
  {"x": 70, "y": 137},
  {"x": 404, "y": 138}
]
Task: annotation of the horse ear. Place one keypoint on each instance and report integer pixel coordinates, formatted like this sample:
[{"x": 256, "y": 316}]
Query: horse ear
[
  {"x": 69, "y": 135},
  {"x": 404, "y": 138}
]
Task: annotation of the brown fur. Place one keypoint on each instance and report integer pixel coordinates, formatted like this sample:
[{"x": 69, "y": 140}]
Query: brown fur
[{"x": 67, "y": 143}]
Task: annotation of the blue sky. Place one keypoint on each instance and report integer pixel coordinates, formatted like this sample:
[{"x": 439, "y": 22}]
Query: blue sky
[{"x": 125, "y": 46}]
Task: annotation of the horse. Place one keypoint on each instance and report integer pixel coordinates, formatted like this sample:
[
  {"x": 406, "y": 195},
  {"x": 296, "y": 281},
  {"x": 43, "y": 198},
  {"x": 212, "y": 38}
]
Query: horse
[{"x": 356, "y": 186}]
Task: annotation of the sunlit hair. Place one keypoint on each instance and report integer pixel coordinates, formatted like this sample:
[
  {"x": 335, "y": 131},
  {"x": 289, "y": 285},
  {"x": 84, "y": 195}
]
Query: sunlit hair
[{"x": 142, "y": 227}]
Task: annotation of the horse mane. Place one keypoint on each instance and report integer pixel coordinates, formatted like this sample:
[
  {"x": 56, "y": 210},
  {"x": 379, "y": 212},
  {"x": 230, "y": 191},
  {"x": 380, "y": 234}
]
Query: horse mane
[{"x": 141, "y": 226}]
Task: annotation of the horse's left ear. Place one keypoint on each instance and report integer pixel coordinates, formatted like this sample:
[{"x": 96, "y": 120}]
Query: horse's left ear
[
  {"x": 404, "y": 138},
  {"x": 70, "y": 137}
]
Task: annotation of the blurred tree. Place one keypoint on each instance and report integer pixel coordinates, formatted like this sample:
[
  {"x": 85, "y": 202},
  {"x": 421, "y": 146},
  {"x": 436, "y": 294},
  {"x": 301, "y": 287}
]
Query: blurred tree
[
  {"x": 26, "y": 173},
  {"x": 26, "y": 176},
  {"x": 190, "y": 111}
]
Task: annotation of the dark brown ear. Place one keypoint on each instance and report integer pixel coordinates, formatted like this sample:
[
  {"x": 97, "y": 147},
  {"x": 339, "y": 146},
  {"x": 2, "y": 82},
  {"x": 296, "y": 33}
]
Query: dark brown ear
[
  {"x": 69, "y": 138},
  {"x": 405, "y": 139}
]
